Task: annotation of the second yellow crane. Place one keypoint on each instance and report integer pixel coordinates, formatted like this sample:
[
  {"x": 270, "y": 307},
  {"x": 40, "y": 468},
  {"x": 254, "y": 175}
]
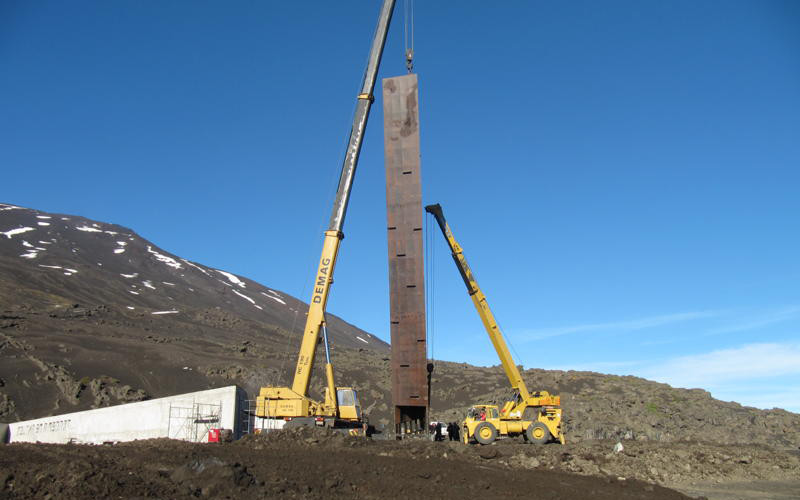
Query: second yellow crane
[{"x": 534, "y": 416}]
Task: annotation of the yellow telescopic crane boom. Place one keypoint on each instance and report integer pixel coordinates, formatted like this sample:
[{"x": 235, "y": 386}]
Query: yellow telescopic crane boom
[
  {"x": 481, "y": 305},
  {"x": 286, "y": 403},
  {"x": 485, "y": 422}
]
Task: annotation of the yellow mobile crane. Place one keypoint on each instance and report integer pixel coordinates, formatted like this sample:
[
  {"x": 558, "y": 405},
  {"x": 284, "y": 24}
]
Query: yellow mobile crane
[
  {"x": 291, "y": 406},
  {"x": 536, "y": 416}
]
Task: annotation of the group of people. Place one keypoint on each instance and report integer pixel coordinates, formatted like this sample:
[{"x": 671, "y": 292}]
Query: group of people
[{"x": 453, "y": 431}]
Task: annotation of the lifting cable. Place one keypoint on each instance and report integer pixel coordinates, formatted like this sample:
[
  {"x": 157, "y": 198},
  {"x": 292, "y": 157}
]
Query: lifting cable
[
  {"x": 409, "y": 50},
  {"x": 297, "y": 331},
  {"x": 430, "y": 285}
]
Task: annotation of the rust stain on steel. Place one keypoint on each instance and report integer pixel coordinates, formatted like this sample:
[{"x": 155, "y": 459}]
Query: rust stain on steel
[{"x": 406, "y": 266}]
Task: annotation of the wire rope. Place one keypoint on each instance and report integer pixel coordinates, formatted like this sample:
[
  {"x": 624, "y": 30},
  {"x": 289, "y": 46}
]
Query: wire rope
[
  {"x": 333, "y": 182},
  {"x": 433, "y": 298},
  {"x": 408, "y": 13},
  {"x": 427, "y": 265},
  {"x": 430, "y": 285}
]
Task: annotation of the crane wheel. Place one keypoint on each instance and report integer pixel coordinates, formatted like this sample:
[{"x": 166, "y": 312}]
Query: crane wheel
[
  {"x": 485, "y": 433},
  {"x": 537, "y": 433}
]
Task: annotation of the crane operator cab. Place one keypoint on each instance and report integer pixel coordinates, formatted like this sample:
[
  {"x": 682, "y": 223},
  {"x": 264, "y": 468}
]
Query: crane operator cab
[{"x": 347, "y": 400}]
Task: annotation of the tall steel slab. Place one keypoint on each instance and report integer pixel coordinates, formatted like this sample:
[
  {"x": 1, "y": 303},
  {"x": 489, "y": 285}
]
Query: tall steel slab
[{"x": 406, "y": 267}]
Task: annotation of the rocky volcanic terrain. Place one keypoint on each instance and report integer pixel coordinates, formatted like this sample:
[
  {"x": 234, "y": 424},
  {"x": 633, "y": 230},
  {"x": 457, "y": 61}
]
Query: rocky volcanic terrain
[
  {"x": 296, "y": 464},
  {"x": 91, "y": 314},
  {"x": 314, "y": 463}
]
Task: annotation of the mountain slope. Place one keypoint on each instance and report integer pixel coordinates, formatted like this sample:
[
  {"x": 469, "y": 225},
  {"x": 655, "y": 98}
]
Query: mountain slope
[
  {"x": 94, "y": 314},
  {"x": 91, "y": 261},
  {"x": 87, "y": 321}
]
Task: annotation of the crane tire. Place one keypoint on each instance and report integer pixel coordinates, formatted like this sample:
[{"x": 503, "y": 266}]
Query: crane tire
[
  {"x": 537, "y": 433},
  {"x": 485, "y": 433}
]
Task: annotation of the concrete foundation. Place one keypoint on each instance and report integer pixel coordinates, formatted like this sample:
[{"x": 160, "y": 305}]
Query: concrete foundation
[{"x": 185, "y": 416}]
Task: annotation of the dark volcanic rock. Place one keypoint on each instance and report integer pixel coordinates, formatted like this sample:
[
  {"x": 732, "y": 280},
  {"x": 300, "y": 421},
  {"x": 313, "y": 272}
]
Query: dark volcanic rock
[
  {"x": 91, "y": 314},
  {"x": 598, "y": 406},
  {"x": 278, "y": 468}
]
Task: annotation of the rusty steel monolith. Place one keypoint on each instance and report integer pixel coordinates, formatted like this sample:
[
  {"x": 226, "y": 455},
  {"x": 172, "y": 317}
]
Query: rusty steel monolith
[{"x": 406, "y": 267}]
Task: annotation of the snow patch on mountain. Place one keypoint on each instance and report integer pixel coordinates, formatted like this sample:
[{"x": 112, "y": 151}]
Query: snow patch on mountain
[
  {"x": 245, "y": 297},
  {"x": 163, "y": 258},
  {"x": 233, "y": 279},
  {"x": 276, "y": 299},
  {"x": 196, "y": 267},
  {"x": 16, "y": 231}
]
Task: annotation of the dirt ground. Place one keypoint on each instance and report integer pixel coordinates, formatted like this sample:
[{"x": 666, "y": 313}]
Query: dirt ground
[
  {"x": 291, "y": 465},
  {"x": 313, "y": 463},
  {"x": 714, "y": 471}
]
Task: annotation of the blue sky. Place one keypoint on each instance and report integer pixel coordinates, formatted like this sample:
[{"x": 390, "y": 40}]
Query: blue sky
[{"x": 623, "y": 175}]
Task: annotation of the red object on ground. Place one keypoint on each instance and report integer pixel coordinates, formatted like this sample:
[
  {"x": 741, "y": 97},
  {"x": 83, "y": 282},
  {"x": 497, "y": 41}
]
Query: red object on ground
[{"x": 213, "y": 436}]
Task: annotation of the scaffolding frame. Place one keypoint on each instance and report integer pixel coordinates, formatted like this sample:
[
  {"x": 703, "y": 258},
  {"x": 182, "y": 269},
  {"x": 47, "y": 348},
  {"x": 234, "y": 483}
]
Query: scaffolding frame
[{"x": 193, "y": 423}]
